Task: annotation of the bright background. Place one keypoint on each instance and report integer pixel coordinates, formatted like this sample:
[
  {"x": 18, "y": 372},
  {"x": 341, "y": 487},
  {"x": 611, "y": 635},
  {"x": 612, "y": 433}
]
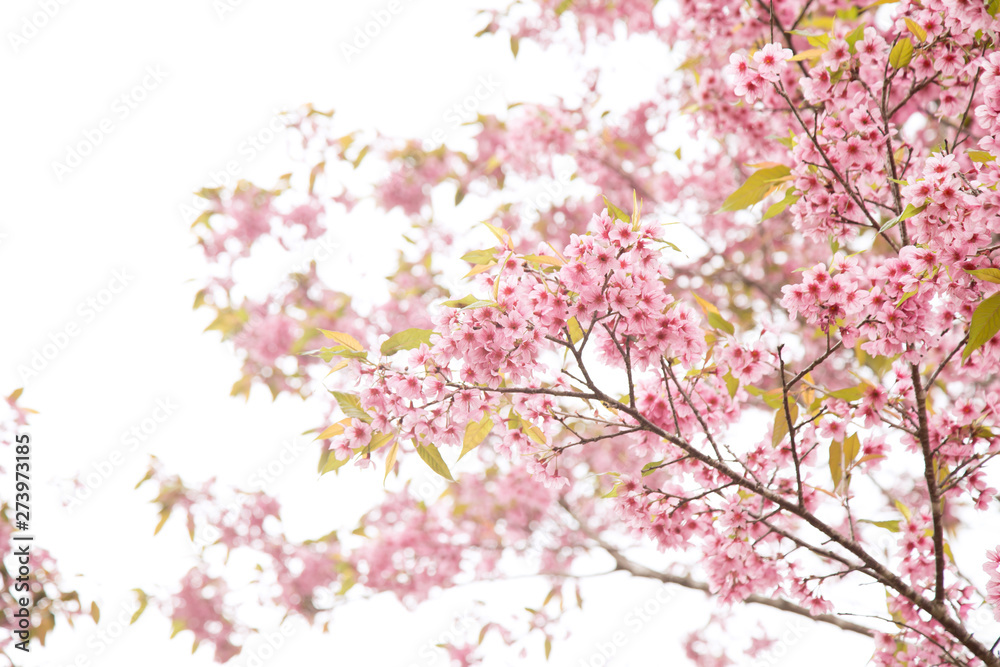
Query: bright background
[{"x": 228, "y": 70}]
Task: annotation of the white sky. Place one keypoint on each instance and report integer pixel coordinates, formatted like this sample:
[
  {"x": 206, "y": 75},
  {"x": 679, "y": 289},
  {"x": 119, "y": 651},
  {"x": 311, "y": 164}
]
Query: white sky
[{"x": 61, "y": 243}]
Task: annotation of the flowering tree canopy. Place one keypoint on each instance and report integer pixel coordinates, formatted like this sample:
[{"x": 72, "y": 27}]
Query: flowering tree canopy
[{"x": 799, "y": 397}]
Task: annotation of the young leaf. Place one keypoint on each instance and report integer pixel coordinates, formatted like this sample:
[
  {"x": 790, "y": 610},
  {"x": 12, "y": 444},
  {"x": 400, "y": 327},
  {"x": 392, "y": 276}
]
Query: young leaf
[
  {"x": 406, "y": 340},
  {"x": 779, "y": 207},
  {"x": 390, "y": 460},
  {"x": 781, "y": 423},
  {"x": 432, "y": 457},
  {"x": 616, "y": 212},
  {"x": 475, "y": 433},
  {"x": 989, "y": 275},
  {"x": 915, "y": 28},
  {"x": 479, "y": 256},
  {"x": 907, "y": 213},
  {"x": 350, "y": 405},
  {"x": 836, "y": 463},
  {"x": 759, "y": 184},
  {"x": 575, "y": 330},
  {"x": 901, "y": 54},
  {"x": 852, "y": 446},
  {"x": 985, "y": 324},
  {"x": 143, "y": 601},
  {"x": 346, "y": 340},
  {"x": 460, "y": 303}
]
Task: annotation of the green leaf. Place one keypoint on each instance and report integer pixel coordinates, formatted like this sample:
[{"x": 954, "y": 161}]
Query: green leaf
[
  {"x": 344, "y": 339},
  {"x": 907, "y": 213},
  {"x": 461, "y": 303},
  {"x": 985, "y": 324},
  {"x": 849, "y": 394},
  {"x": 993, "y": 7},
  {"x": 432, "y": 457},
  {"x": 718, "y": 322},
  {"x": 176, "y": 627},
  {"x": 779, "y": 207},
  {"x": 563, "y": 6},
  {"x": 651, "y": 467},
  {"x": 483, "y": 303},
  {"x": 406, "y": 340},
  {"x": 475, "y": 433},
  {"x": 980, "y": 156},
  {"x": 328, "y": 353},
  {"x": 989, "y": 275},
  {"x": 390, "y": 460},
  {"x": 143, "y": 601},
  {"x": 616, "y": 212},
  {"x": 350, "y": 405},
  {"x": 480, "y": 256},
  {"x": 915, "y": 28},
  {"x": 891, "y": 526},
  {"x": 852, "y": 446},
  {"x": 759, "y": 184},
  {"x": 856, "y": 34},
  {"x": 377, "y": 442},
  {"x": 836, "y": 463},
  {"x": 901, "y": 54},
  {"x": 732, "y": 384},
  {"x": 333, "y": 464},
  {"x": 575, "y": 330},
  {"x": 781, "y": 423}
]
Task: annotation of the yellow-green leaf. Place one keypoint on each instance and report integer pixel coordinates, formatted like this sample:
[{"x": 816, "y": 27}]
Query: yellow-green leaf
[
  {"x": 616, "y": 212},
  {"x": 575, "y": 330},
  {"x": 95, "y": 612},
  {"x": 757, "y": 187},
  {"x": 479, "y": 256},
  {"x": 432, "y": 457},
  {"x": 390, "y": 460},
  {"x": 143, "y": 601},
  {"x": 915, "y": 28},
  {"x": 836, "y": 463},
  {"x": 406, "y": 340},
  {"x": 475, "y": 433},
  {"x": 779, "y": 207},
  {"x": 989, "y": 275},
  {"x": 781, "y": 423},
  {"x": 808, "y": 54},
  {"x": 852, "y": 446},
  {"x": 985, "y": 324},
  {"x": 902, "y": 53}
]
